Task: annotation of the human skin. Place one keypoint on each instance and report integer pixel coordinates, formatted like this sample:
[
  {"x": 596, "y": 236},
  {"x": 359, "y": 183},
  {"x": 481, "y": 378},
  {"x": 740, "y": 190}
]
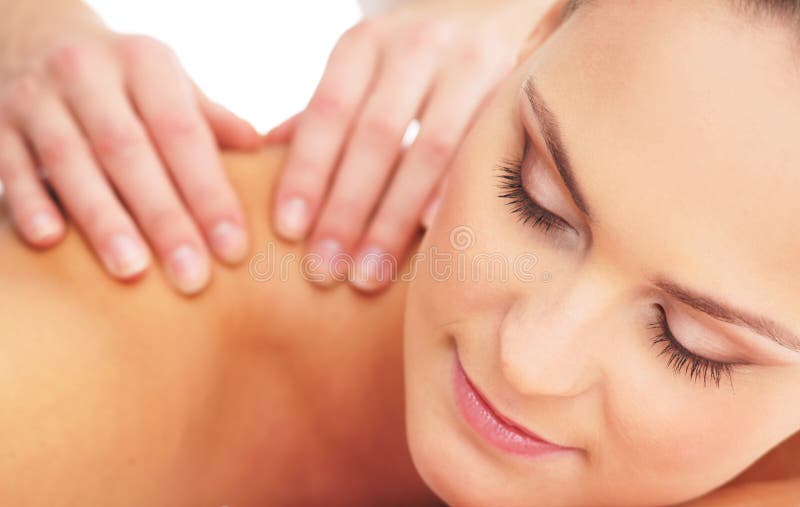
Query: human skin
[
  {"x": 255, "y": 393},
  {"x": 679, "y": 119},
  {"x": 128, "y": 143},
  {"x": 250, "y": 395}
]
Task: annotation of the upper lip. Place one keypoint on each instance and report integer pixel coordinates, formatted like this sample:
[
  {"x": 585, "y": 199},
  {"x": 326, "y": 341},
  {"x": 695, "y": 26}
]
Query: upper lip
[{"x": 502, "y": 417}]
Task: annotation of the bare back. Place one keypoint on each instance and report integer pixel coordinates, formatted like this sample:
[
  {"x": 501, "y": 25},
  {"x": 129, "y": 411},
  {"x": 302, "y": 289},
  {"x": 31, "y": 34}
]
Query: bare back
[{"x": 263, "y": 390}]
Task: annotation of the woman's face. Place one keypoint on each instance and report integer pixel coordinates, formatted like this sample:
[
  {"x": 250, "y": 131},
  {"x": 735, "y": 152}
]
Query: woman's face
[{"x": 634, "y": 298}]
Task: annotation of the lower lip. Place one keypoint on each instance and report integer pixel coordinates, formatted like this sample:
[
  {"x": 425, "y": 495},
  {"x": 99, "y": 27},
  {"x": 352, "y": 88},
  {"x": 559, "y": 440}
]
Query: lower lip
[{"x": 490, "y": 425}]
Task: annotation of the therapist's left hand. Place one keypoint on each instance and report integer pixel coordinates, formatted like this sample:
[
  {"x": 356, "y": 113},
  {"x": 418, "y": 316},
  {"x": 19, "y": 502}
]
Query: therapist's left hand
[{"x": 349, "y": 185}]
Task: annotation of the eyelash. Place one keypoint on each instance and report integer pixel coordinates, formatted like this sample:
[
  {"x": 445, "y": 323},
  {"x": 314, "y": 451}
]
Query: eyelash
[
  {"x": 679, "y": 358},
  {"x": 683, "y": 360},
  {"x": 521, "y": 203}
]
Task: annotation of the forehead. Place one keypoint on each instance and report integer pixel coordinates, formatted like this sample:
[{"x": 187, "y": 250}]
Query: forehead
[{"x": 681, "y": 119}]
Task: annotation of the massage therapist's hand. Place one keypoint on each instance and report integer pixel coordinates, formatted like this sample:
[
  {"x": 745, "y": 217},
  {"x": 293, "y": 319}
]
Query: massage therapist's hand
[
  {"x": 127, "y": 143},
  {"x": 349, "y": 185}
]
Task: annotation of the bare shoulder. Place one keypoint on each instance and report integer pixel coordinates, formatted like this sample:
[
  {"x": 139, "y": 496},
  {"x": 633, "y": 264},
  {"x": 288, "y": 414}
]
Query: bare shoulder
[{"x": 152, "y": 391}]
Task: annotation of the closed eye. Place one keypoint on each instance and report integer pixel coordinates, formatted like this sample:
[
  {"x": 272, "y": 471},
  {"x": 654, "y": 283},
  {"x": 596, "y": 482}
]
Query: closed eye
[{"x": 520, "y": 202}]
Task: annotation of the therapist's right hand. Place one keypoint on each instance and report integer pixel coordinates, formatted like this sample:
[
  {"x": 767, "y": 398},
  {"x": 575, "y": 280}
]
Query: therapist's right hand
[
  {"x": 351, "y": 187},
  {"x": 112, "y": 128}
]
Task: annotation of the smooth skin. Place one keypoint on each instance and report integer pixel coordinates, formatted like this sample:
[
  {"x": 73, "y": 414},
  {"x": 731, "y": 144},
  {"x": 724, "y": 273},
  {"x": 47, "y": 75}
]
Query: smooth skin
[
  {"x": 257, "y": 392},
  {"x": 127, "y": 143},
  {"x": 168, "y": 398},
  {"x": 678, "y": 119},
  {"x": 351, "y": 186},
  {"x": 125, "y": 140}
]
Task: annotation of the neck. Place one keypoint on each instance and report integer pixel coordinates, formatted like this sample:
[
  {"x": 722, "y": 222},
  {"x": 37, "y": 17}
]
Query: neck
[{"x": 309, "y": 386}]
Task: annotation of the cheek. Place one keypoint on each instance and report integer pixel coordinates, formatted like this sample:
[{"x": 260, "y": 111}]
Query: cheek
[{"x": 676, "y": 440}]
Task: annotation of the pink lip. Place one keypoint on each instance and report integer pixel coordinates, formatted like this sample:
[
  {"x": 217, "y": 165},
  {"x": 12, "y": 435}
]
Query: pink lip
[{"x": 493, "y": 426}]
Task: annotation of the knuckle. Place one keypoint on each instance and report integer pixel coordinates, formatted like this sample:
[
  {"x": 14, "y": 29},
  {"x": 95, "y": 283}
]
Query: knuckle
[
  {"x": 93, "y": 218},
  {"x": 165, "y": 222},
  {"x": 329, "y": 103},
  {"x": 429, "y": 35},
  {"x": 380, "y": 130},
  {"x": 6, "y": 164},
  {"x": 9, "y": 174},
  {"x": 116, "y": 139},
  {"x": 54, "y": 148},
  {"x": 386, "y": 230},
  {"x": 347, "y": 214},
  {"x": 213, "y": 200},
  {"x": 479, "y": 53},
  {"x": 143, "y": 47},
  {"x": 26, "y": 89},
  {"x": 364, "y": 32},
  {"x": 174, "y": 124},
  {"x": 435, "y": 149},
  {"x": 69, "y": 60}
]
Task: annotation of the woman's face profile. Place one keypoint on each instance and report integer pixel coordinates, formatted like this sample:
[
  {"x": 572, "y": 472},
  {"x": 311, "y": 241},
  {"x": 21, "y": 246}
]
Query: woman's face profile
[{"x": 614, "y": 269}]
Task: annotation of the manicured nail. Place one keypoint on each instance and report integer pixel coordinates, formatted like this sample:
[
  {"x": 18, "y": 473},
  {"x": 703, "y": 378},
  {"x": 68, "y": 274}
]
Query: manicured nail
[
  {"x": 126, "y": 257},
  {"x": 42, "y": 227},
  {"x": 331, "y": 261},
  {"x": 293, "y": 219},
  {"x": 188, "y": 270},
  {"x": 373, "y": 269},
  {"x": 229, "y": 241}
]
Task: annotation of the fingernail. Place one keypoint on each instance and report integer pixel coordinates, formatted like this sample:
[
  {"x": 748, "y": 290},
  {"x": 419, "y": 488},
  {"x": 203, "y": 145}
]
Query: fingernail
[
  {"x": 188, "y": 270},
  {"x": 330, "y": 260},
  {"x": 42, "y": 226},
  {"x": 229, "y": 241},
  {"x": 373, "y": 269},
  {"x": 293, "y": 219},
  {"x": 126, "y": 257}
]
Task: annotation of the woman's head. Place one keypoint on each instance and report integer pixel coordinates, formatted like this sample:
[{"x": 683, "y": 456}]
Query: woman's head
[{"x": 627, "y": 284}]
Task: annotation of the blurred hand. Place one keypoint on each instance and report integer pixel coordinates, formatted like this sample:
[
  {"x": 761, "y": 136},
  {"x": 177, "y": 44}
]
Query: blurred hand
[
  {"x": 349, "y": 184},
  {"x": 127, "y": 144}
]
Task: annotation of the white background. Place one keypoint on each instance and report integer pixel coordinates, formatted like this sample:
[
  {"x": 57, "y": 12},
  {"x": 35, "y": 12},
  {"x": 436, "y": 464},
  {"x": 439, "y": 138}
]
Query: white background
[{"x": 260, "y": 58}]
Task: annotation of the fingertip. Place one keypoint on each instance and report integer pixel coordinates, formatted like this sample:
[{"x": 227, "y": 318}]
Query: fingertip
[
  {"x": 293, "y": 219},
  {"x": 125, "y": 257},
  {"x": 373, "y": 270},
  {"x": 43, "y": 229},
  {"x": 188, "y": 269},
  {"x": 229, "y": 242}
]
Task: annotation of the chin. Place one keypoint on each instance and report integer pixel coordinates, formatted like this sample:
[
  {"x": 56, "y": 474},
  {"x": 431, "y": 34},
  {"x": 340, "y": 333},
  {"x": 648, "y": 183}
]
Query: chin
[
  {"x": 460, "y": 473},
  {"x": 445, "y": 475}
]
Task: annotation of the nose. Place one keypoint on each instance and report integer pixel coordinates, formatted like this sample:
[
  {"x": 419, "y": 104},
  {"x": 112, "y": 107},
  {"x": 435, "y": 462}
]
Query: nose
[{"x": 554, "y": 342}]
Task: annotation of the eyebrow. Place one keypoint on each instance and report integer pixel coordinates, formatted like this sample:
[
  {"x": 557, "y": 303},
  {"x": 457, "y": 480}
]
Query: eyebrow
[
  {"x": 571, "y": 6},
  {"x": 551, "y": 132},
  {"x": 723, "y": 312},
  {"x": 702, "y": 303}
]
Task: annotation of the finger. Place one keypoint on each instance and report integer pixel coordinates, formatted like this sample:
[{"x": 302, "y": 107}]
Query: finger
[
  {"x": 432, "y": 208},
  {"x": 187, "y": 145},
  {"x": 84, "y": 192},
  {"x": 283, "y": 133},
  {"x": 443, "y": 125},
  {"x": 231, "y": 131},
  {"x": 35, "y": 215},
  {"x": 122, "y": 147},
  {"x": 373, "y": 149},
  {"x": 322, "y": 130}
]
